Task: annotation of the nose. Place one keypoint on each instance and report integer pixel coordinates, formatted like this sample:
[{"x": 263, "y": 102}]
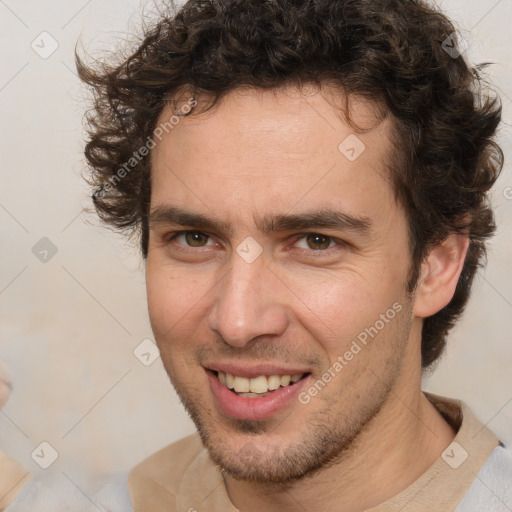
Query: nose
[{"x": 247, "y": 305}]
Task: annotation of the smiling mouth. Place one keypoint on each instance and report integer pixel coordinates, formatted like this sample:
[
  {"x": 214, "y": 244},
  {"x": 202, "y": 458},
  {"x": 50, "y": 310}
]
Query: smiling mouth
[{"x": 257, "y": 387}]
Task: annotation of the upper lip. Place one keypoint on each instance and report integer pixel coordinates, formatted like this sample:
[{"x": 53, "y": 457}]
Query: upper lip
[{"x": 253, "y": 370}]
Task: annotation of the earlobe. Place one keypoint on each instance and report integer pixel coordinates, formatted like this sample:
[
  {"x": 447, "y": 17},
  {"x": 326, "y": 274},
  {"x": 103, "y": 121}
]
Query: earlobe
[{"x": 439, "y": 275}]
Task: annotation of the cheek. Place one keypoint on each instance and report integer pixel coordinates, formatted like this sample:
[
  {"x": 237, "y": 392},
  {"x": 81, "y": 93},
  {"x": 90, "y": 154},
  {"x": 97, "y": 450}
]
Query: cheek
[
  {"x": 336, "y": 308},
  {"x": 174, "y": 305},
  {"x": 173, "y": 298}
]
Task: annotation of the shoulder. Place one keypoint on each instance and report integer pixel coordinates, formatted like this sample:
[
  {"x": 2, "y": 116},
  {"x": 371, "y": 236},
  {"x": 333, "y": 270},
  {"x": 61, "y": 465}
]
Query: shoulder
[
  {"x": 492, "y": 488},
  {"x": 58, "y": 491},
  {"x": 154, "y": 481},
  {"x": 114, "y": 495},
  {"x": 169, "y": 463},
  {"x": 157, "y": 479}
]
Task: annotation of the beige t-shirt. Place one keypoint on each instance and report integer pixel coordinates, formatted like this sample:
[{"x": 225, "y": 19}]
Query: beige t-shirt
[{"x": 182, "y": 478}]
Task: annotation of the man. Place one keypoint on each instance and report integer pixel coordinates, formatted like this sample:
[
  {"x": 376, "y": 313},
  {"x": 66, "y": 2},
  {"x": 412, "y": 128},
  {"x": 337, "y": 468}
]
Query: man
[{"x": 309, "y": 180}]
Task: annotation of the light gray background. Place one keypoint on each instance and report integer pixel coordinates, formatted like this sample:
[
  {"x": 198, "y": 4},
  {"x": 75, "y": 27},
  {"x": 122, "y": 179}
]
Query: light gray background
[{"x": 69, "y": 326}]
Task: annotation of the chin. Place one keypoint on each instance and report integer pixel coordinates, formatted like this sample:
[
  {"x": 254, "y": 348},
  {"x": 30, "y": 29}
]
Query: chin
[{"x": 253, "y": 452}]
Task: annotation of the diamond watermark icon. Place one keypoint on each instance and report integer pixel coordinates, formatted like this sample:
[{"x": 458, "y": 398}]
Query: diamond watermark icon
[
  {"x": 44, "y": 45},
  {"x": 146, "y": 352},
  {"x": 249, "y": 250},
  {"x": 453, "y": 47},
  {"x": 44, "y": 250},
  {"x": 351, "y": 147},
  {"x": 454, "y": 455},
  {"x": 44, "y": 455}
]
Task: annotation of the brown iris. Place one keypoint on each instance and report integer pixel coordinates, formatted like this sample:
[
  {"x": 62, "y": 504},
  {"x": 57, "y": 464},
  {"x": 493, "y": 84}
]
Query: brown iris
[
  {"x": 196, "y": 238},
  {"x": 318, "y": 242}
]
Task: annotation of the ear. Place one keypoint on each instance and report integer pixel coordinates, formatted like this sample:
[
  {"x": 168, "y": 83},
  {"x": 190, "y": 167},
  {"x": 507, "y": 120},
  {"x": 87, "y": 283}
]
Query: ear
[{"x": 439, "y": 275}]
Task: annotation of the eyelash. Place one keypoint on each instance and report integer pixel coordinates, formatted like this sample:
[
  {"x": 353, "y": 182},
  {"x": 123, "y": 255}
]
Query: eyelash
[{"x": 299, "y": 236}]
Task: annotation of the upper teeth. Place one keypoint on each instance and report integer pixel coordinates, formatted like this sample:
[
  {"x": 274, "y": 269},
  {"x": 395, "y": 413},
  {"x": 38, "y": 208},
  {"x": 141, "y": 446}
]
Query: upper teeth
[{"x": 260, "y": 384}]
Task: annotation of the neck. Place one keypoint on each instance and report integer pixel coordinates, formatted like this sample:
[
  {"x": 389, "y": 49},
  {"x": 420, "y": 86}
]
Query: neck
[{"x": 382, "y": 462}]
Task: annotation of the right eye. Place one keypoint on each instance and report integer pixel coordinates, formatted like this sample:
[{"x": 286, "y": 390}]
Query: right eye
[{"x": 192, "y": 238}]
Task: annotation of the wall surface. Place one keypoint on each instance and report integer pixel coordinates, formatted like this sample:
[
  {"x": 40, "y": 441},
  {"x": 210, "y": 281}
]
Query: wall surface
[{"x": 72, "y": 296}]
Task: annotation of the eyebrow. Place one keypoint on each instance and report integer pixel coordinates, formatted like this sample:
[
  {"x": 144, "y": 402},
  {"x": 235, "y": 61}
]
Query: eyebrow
[
  {"x": 163, "y": 215},
  {"x": 315, "y": 219},
  {"x": 271, "y": 223}
]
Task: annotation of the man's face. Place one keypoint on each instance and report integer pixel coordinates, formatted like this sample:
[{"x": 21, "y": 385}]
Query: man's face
[{"x": 318, "y": 291}]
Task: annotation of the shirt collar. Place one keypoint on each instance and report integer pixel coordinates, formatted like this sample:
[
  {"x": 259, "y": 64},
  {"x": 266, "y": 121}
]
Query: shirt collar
[{"x": 182, "y": 476}]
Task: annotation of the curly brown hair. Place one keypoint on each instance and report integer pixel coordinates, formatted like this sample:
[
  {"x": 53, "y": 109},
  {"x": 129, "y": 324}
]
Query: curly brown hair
[{"x": 394, "y": 52}]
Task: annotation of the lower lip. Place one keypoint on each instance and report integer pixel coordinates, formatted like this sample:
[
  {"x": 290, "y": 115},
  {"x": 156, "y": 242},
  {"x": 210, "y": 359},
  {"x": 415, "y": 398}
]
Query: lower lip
[{"x": 243, "y": 408}]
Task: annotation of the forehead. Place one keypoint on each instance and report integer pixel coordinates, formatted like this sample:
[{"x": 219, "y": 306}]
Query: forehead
[{"x": 278, "y": 148}]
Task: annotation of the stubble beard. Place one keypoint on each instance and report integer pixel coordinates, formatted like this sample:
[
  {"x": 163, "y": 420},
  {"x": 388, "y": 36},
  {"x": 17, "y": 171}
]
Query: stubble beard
[
  {"x": 327, "y": 437},
  {"x": 265, "y": 459}
]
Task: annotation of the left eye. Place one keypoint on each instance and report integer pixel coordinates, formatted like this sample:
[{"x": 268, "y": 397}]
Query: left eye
[{"x": 316, "y": 242}]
